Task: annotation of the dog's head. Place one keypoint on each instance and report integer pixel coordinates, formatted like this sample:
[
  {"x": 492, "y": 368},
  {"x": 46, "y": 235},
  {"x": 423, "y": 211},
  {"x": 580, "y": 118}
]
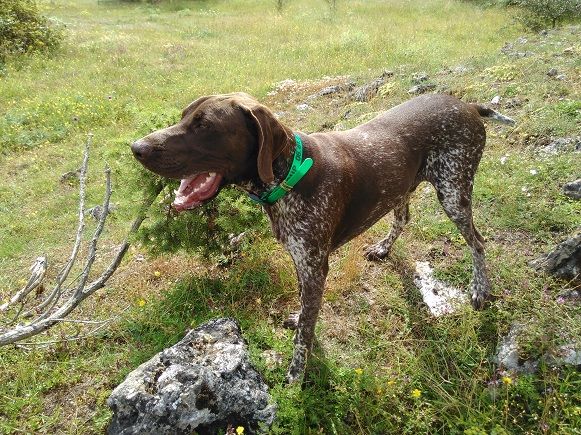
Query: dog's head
[{"x": 220, "y": 139}]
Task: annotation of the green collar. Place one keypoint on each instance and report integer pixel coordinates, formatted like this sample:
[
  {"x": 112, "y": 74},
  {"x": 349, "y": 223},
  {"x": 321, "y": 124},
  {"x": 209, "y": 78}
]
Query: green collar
[{"x": 297, "y": 171}]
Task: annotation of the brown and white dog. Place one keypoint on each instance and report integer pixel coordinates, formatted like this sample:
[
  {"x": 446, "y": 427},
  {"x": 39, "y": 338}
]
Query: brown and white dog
[{"x": 357, "y": 177}]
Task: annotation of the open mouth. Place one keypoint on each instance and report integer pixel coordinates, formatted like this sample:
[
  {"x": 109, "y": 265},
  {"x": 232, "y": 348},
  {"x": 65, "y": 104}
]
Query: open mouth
[{"x": 195, "y": 190}]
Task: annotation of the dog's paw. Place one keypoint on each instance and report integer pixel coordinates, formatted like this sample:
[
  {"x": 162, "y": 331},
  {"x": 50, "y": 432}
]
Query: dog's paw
[
  {"x": 292, "y": 322},
  {"x": 376, "y": 252},
  {"x": 480, "y": 295},
  {"x": 294, "y": 375}
]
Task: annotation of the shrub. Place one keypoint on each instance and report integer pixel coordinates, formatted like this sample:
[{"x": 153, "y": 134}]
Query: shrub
[
  {"x": 540, "y": 14},
  {"x": 205, "y": 230},
  {"x": 23, "y": 29}
]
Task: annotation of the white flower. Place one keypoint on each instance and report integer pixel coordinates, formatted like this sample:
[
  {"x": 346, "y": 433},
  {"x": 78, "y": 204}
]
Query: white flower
[{"x": 534, "y": 172}]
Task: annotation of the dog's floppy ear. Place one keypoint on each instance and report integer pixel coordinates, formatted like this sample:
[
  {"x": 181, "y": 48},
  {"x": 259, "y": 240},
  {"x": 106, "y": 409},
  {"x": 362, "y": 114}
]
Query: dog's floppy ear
[{"x": 273, "y": 137}]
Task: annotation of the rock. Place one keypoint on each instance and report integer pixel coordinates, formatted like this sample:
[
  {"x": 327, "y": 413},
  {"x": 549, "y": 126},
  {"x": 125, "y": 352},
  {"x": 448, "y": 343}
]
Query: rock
[
  {"x": 419, "y": 78},
  {"x": 367, "y": 91},
  {"x": 561, "y": 145},
  {"x": 564, "y": 261},
  {"x": 508, "y": 354},
  {"x": 285, "y": 85},
  {"x": 439, "y": 297},
  {"x": 573, "y": 189},
  {"x": 422, "y": 88},
  {"x": 495, "y": 100},
  {"x": 569, "y": 51},
  {"x": 335, "y": 89},
  {"x": 71, "y": 176},
  {"x": 460, "y": 69},
  {"x": 303, "y": 107},
  {"x": 97, "y": 211},
  {"x": 512, "y": 103},
  {"x": 561, "y": 77},
  {"x": 553, "y": 72},
  {"x": 201, "y": 385}
]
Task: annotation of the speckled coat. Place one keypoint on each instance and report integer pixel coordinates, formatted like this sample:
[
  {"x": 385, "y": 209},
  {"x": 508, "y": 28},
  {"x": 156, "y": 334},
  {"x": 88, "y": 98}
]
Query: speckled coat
[{"x": 358, "y": 176}]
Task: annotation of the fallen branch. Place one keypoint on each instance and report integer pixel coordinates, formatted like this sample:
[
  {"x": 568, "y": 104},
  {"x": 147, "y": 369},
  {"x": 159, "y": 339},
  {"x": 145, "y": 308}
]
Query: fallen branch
[{"x": 62, "y": 300}]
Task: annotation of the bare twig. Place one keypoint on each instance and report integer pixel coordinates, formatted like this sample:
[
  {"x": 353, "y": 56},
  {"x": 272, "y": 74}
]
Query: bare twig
[
  {"x": 38, "y": 269},
  {"x": 54, "y": 309}
]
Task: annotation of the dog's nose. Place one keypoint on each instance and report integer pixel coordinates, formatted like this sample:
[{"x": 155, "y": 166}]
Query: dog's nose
[{"x": 141, "y": 150}]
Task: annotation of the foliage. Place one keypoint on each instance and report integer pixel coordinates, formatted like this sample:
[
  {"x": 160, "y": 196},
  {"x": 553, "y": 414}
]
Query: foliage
[
  {"x": 23, "y": 29},
  {"x": 205, "y": 230},
  {"x": 540, "y": 14}
]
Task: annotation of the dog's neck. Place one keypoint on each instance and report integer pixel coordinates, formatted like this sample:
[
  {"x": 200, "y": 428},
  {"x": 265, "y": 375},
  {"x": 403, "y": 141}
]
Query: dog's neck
[{"x": 280, "y": 168}]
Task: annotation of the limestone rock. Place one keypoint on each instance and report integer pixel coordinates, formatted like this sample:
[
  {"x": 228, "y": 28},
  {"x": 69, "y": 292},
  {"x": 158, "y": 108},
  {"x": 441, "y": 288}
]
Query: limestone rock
[
  {"x": 573, "y": 189},
  {"x": 204, "y": 383},
  {"x": 440, "y": 298},
  {"x": 564, "y": 261}
]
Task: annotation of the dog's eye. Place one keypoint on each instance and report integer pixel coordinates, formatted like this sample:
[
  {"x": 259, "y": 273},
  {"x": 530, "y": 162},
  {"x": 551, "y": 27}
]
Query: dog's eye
[{"x": 200, "y": 123}]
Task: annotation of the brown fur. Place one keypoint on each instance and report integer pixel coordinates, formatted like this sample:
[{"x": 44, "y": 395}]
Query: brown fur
[{"x": 357, "y": 177}]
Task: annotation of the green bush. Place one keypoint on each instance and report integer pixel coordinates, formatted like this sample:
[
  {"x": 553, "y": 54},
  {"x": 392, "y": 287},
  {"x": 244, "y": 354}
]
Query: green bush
[
  {"x": 205, "y": 230},
  {"x": 23, "y": 29},
  {"x": 540, "y": 14}
]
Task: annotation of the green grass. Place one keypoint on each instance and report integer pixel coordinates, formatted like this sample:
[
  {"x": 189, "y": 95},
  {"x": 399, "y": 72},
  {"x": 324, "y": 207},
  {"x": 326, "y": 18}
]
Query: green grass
[{"x": 382, "y": 365}]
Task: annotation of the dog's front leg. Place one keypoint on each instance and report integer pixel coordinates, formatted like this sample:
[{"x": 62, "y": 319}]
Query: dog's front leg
[{"x": 312, "y": 271}]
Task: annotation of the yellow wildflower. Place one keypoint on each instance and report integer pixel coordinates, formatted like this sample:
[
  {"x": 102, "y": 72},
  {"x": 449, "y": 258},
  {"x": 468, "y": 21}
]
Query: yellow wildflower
[
  {"x": 391, "y": 382},
  {"x": 240, "y": 430},
  {"x": 506, "y": 380},
  {"x": 157, "y": 273},
  {"x": 416, "y": 394},
  {"x": 141, "y": 302},
  {"x": 359, "y": 371}
]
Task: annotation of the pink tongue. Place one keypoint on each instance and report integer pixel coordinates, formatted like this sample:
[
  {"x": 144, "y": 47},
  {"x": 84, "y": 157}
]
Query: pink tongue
[{"x": 194, "y": 190}]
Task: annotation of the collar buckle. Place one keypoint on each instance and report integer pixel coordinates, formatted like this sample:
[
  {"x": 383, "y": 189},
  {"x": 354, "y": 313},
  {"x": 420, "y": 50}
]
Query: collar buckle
[{"x": 296, "y": 172}]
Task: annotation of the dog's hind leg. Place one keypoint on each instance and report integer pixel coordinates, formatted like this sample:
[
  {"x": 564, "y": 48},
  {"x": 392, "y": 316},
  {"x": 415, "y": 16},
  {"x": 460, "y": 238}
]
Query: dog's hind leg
[
  {"x": 453, "y": 184},
  {"x": 381, "y": 249}
]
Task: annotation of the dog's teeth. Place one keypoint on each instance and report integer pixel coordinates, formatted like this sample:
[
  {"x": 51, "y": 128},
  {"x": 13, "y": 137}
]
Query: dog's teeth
[{"x": 212, "y": 174}]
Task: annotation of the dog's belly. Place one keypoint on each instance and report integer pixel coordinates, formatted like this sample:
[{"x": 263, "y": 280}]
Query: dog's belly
[{"x": 359, "y": 216}]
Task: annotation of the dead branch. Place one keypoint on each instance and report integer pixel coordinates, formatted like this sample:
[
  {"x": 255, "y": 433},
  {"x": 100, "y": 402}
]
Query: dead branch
[{"x": 63, "y": 299}]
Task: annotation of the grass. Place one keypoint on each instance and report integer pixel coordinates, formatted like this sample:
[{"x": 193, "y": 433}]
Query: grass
[{"x": 382, "y": 364}]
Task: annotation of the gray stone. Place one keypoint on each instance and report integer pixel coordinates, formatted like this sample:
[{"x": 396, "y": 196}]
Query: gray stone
[
  {"x": 422, "y": 88},
  {"x": 561, "y": 145},
  {"x": 71, "y": 176},
  {"x": 573, "y": 189},
  {"x": 508, "y": 354},
  {"x": 369, "y": 90},
  {"x": 204, "y": 383},
  {"x": 97, "y": 211},
  {"x": 512, "y": 103},
  {"x": 440, "y": 298},
  {"x": 418, "y": 78},
  {"x": 334, "y": 89},
  {"x": 564, "y": 261}
]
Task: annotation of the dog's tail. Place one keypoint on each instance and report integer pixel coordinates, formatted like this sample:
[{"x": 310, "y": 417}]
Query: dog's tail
[{"x": 493, "y": 115}]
